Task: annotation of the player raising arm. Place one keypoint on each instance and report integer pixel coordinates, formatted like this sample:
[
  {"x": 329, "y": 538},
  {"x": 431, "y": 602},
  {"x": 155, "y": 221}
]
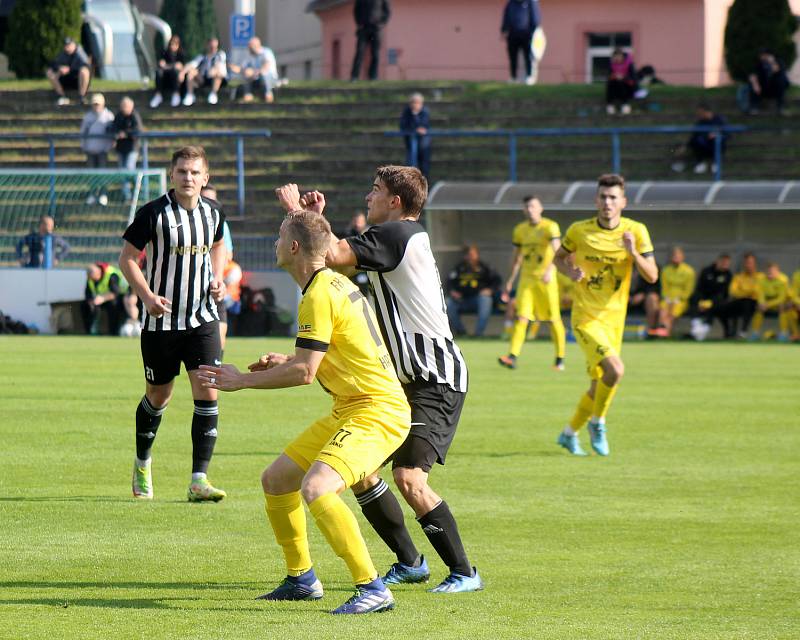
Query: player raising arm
[
  {"x": 599, "y": 254},
  {"x": 338, "y": 344}
]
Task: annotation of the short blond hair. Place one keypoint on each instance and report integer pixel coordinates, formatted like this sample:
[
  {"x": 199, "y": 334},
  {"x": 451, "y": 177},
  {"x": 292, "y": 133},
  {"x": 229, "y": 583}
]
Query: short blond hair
[
  {"x": 311, "y": 230},
  {"x": 189, "y": 152}
]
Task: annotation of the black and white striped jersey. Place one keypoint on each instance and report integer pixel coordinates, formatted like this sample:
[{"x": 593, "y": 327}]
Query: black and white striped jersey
[
  {"x": 409, "y": 303},
  {"x": 179, "y": 267}
]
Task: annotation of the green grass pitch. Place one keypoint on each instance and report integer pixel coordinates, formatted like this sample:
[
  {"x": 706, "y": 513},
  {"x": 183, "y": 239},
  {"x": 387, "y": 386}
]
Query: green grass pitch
[{"x": 688, "y": 530}]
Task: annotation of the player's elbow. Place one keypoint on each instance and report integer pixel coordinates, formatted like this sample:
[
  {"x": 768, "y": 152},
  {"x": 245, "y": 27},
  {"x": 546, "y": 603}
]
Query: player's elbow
[{"x": 306, "y": 374}]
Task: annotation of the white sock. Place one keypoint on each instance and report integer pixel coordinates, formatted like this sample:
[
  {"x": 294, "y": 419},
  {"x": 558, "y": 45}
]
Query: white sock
[
  {"x": 142, "y": 463},
  {"x": 569, "y": 431},
  {"x": 596, "y": 420},
  {"x": 198, "y": 476}
]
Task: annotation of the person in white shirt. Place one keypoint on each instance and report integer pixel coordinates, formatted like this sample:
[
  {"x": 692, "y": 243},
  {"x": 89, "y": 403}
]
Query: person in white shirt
[
  {"x": 209, "y": 70},
  {"x": 259, "y": 72}
]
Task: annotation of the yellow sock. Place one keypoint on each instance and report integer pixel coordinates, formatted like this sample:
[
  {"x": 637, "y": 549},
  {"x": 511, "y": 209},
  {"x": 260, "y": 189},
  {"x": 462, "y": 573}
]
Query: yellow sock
[
  {"x": 559, "y": 337},
  {"x": 533, "y": 329},
  {"x": 783, "y": 321},
  {"x": 288, "y": 520},
  {"x": 793, "y": 322},
  {"x": 518, "y": 337},
  {"x": 603, "y": 395},
  {"x": 582, "y": 412},
  {"x": 340, "y": 528},
  {"x": 758, "y": 321}
]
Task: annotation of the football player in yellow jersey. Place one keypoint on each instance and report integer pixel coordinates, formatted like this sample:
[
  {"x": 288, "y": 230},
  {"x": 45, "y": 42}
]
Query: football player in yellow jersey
[
  {"x": 535, "y": 243},
  {"x": 744, "y": 295},
  {"x": 677, "y": 286},
  {"x": 775, "y": 298},
  {"x": 599, "y": 254},
  {"x": 339, "y": 344},
  {"x": 794, "y": 313}
]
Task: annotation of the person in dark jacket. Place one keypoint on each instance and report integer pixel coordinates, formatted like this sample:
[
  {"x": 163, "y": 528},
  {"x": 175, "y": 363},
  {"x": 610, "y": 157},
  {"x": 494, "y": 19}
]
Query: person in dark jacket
[
  {"x": 127, "y": 126},
  {"x": 370, "y": 16},
  {"x": 520, "y": 19},
  {"x": 768, "y": 80},
  {"x": 702, "y": 144},
  {"x": 471, "y": 287},
  {"x": 70, "y": 70},
  {"x": 710, "y": 299},
  {"x": 171, "y": 74},
  {"x": 39, "y": 244},
  {"x": 415, "y": 122}
]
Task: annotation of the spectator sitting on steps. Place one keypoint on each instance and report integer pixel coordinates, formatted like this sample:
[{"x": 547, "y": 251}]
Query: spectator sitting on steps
[
  {"x": 170, "y": 74},
  {"x": 768, "y": 80},
  {"x": 621, "y": 83},
  {"x": 259, "y": 71},
  {"x": 208, "y": 70},
  {"x": 702, "y": 144},
  {"x": 70, "y": 70}
]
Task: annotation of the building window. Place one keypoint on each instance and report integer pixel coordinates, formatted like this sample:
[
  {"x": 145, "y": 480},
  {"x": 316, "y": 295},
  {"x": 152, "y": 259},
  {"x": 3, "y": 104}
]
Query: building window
[{"x": 599, "y": 47}]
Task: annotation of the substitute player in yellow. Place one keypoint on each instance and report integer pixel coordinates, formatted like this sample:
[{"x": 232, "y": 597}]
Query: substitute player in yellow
[
  {"x": 677, "y": 286},
  {"x": 774, "y": 298},
  {"x": 599, "y": 254},
  {"x": 535, "y": 244},
  {"x": 339, "y": 344}
]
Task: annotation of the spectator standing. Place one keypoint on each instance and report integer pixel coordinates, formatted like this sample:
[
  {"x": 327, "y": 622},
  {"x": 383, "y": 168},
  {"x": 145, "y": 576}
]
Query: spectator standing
[
  {"x": 677, "y": 286},
  {"x": 621, "y": 83},
  {"x": 520, "y": 19},
  {"x": 768, "y": 80},
  {"x": 96, "y": 142},
  {"x": 710, "y": 298},
  {"x": 702, "y": 144},
  {"x": 415, "y": 122},
  {"x": 774, "y": 299},
  {"x": 105, "y": 291},
  {"x": 208, "y": 70},
  {"x": 471, "y": 289},
  {"x": 127, "y": 126},
  {"x": 259, "y": 72},
  {"x": 70, "y": 70},
  {"x": 36, "y": 243},
  {"x": 370, "y": 16},
  {"x": 744, "y": 295},
  {"x": 170, "y": 76}
]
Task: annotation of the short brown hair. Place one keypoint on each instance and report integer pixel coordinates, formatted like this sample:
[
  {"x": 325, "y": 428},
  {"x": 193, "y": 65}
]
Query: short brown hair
[
  {"x": 611, "y": 180},
  {"x": 190, "y": 153},
  {"x": 311, "y": 230},
  {"x": 408, "y": 184},
  {"x": 530, "y": 197}
]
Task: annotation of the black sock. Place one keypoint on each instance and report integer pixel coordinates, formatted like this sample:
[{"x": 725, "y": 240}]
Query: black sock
[
  {"x": 382, "y": 510},
  {"x": 440, "y": 527},
  {"x": 204, "y": 433},
  {"x": 147, "y": 420}
]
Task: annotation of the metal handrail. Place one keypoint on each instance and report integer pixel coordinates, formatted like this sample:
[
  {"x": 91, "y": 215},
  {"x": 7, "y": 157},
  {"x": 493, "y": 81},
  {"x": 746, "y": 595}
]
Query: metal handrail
[
  {"x": 145, "y": 136},
  {"x": 616, "y": 134}
]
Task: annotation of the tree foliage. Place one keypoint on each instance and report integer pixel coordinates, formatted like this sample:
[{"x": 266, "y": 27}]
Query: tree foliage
[
  {"x": 36, "y": 32},
  {"x": 193, "y": 20},
  {"x": 755, "y": 25}
]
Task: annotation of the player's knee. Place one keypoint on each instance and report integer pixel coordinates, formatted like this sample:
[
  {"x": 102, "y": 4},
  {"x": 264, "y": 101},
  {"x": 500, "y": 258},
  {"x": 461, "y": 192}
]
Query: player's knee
[
  {"x": 159, "y": 398},
  {"x": 312, "y": 488},
  {"x": 614, "y": 372}
]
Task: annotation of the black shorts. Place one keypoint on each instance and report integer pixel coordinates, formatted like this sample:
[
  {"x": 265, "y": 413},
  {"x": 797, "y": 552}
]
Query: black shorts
[
  {"x": 163, "y": 351},
  {"x": 209, "y": 82},
  {"x": 435, "y": 411},
  {"x": 69, "y": 81}
]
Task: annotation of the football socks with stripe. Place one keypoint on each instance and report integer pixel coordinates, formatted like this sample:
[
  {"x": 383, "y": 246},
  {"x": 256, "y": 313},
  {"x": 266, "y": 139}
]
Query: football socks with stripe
[
  {"x": 382, "y": 510},
  {"x": 148, "y": 418},
  {"x": 442, "y": 531},
  {"x": 204, "y": 433}
]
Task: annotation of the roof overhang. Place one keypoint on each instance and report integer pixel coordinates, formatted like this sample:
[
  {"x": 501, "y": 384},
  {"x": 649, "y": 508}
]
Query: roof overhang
[{"x": 642, "y": 196}]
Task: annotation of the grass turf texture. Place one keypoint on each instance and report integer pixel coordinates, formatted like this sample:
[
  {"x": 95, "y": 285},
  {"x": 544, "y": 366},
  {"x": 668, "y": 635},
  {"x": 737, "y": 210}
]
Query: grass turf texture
[{"x": 688, "y": 530}]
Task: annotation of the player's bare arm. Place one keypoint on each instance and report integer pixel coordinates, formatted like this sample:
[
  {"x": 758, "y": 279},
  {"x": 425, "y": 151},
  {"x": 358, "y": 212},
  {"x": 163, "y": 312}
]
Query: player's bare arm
[
  {"x": 297, "y": 371},
  {"x": 516, "y": 263},
  {"x": 565, "y": 265},
  {"x": 645, "y": 265},
  {"x": 549, "y": 269},
  {"x": 219, "y": 256},
  {"x": 156, "y": 305}
]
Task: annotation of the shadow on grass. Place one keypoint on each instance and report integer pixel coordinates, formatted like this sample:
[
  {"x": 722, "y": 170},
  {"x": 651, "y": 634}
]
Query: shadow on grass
[
  {"x": 67, "y": 499},
  {"x": 247, "y": 454}
]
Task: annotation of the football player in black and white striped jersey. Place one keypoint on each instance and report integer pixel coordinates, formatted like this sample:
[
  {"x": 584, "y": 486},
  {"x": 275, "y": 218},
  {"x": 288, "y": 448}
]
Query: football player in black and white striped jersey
[
  {"x": 182, "y": 233},
  {"x": 409, "y": 305}
]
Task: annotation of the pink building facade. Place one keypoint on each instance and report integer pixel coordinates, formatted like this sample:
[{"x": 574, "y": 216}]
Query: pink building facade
[{"x": 460, "y": 39}]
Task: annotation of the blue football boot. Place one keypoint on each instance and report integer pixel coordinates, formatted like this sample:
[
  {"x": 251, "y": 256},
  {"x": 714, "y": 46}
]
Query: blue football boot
[
  {"x": 571, "y": 444},
  {"x": 374, "y": 597},
  {"x": 457, "y": 583},
  {"x": 305, "y": 587},
  {"x": 400, "y": 573},
  {"x": 597, "y": 433}
]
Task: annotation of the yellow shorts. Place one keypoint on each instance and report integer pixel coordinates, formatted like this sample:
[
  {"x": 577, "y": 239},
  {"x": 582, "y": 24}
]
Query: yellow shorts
[
  {"x": 678, "y": 307},
  {"x": 538, "y": 301},
  {"x": 598, "y": 341},
  {"x": 354, "y": 441}
]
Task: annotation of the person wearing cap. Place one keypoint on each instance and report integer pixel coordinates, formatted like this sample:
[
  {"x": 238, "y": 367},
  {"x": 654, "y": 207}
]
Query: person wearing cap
[
  {"x": 96, "y": 141},
  {"x": 70, "y": 70}
]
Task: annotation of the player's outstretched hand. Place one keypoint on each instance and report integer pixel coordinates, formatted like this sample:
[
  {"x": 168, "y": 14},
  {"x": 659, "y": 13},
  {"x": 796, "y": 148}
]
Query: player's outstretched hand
[
  {"x": 577, "y": 274},
  {"x": 226, "y": 377},
  {"x": 157, "y": 306},
  {"x": 314, "y": 201},
  {"x": 268, "y": 361},
  {"x": 289, "y": 197},
  {"x": 217, "y": 289}
]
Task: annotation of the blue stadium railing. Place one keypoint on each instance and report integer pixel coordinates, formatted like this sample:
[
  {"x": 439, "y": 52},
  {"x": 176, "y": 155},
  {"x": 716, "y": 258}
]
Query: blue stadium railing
[
  {"x": 146, "y": 136},
  {"x": 615, "y": 133}
]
